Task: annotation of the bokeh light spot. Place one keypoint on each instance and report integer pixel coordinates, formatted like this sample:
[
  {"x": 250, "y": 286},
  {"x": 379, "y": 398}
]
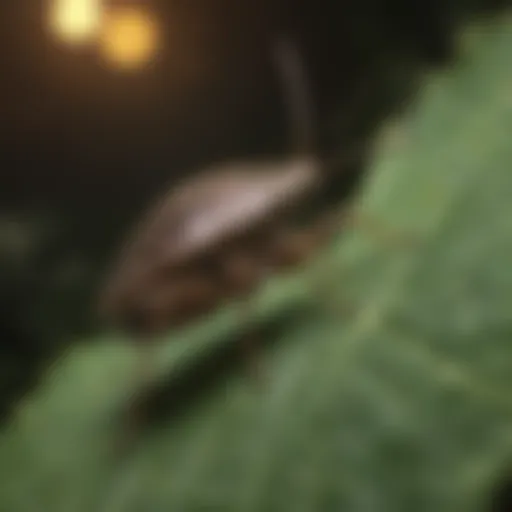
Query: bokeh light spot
[
  {"x": 75, "y": 21},
  {"x": 130, "y": 37}
]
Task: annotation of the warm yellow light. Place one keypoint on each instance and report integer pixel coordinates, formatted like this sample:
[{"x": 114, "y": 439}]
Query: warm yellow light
[
  {"x": 130, "y": 37},
  {"x": 75, "y": 21}
]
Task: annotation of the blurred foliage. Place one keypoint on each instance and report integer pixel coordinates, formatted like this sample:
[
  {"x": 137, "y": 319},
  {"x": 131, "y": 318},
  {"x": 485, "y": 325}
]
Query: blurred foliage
[{"x": 405, "y": 404}]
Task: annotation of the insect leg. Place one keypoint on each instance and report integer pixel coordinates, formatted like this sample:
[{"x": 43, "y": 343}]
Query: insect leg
[
  {"x": 242, "y": 272},
  {"x": 294, "y": 246},
  {"x": 350, "y": 217},
  {"x": 336, "y": 221},
  {"x": 136, "y": 413}
]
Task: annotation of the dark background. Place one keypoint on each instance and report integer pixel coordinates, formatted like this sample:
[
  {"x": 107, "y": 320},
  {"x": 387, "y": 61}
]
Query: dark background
[{"x": 83, "y": 148}]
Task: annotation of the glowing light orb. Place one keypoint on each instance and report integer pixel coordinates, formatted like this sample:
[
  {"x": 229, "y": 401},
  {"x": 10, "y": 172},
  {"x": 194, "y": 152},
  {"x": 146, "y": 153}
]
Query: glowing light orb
[
  {"x": 75, "y": 21},
  {"x": 130, "y": 37}
]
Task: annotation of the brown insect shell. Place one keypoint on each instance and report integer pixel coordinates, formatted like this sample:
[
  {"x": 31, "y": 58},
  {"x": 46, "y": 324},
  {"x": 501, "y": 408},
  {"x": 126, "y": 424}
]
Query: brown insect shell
[{"x": 191, "y": 226}]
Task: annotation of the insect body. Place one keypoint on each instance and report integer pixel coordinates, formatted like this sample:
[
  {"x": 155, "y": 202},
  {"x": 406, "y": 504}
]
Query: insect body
[{"x": 219, "y": 235}]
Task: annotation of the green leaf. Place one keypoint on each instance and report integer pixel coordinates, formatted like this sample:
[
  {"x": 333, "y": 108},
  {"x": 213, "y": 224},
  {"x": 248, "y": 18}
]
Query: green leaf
[{"x": 405, "y": 404}]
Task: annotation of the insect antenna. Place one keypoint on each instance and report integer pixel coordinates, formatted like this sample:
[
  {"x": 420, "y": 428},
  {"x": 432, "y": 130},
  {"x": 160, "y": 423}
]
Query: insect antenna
[{"x": 297, "y": 95}]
